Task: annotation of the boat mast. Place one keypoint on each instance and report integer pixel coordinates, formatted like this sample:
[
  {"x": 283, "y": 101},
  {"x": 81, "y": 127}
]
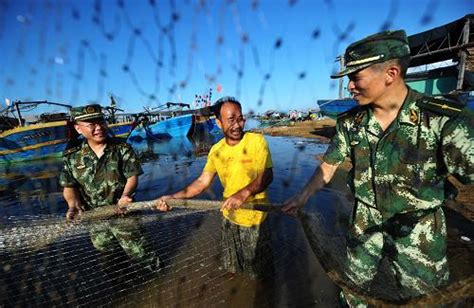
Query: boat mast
[
  {"x": 20, "y": 120},
  {"x": 341, "y": 80},
  {"x": 463, "y": 56}
]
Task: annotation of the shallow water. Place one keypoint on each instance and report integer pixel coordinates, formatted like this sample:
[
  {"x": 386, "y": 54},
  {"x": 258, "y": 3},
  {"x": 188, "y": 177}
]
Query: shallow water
[
  {"x": 186, "y": 241},
  {"x": 32, "y": 188},
  {"x": 31, "y": 192}
]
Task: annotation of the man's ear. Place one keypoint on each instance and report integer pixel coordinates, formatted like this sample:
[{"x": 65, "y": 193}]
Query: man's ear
[
  {"x": 78, "y": 129},
  {"x": 392, "y": 73},
  {"x": 219, "y": 123}
]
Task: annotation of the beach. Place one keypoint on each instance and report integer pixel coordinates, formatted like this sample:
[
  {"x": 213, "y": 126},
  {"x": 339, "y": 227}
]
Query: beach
[{"x": 321, "y": 129}]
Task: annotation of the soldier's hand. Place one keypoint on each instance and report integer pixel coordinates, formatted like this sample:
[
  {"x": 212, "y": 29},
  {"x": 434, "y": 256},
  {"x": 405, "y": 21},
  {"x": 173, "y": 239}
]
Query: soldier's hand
[
  {"x": 124, "y": 200},
  {"x": 74, "y": 212},
  {"x": 292, "y": 206},
  {"x": 122, "y": 203},
  {"x": 161, "y": 204}
]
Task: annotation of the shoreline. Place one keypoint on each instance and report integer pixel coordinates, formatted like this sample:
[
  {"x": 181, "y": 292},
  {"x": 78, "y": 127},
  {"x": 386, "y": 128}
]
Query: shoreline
[{"x": 322, "y": 129}]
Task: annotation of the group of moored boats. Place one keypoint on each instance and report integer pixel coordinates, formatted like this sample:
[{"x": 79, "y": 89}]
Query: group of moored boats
[{"x": 46, "y": 135}]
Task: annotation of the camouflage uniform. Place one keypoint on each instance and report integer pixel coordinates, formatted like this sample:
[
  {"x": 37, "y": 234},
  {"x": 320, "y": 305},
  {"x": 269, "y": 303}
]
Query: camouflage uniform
[
  {"x": 398, "y": 176},
  {"x": 398, "y": 183},
  {"x": 100, "y": 181}
]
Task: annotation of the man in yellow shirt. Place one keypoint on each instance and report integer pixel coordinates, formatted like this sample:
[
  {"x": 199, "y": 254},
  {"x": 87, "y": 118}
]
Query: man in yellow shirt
[{"x": 244, "y": 166}]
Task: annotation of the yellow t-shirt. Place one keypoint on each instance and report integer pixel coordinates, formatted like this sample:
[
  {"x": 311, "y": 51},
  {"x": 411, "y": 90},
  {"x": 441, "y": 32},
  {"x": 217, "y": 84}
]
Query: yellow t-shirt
[{"x": 237, "y": 166}]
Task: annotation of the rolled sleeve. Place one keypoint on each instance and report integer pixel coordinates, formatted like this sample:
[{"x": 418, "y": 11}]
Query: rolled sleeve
[
  {"x": 458, "y": 148},
  {"x": 131, "y": 163}
]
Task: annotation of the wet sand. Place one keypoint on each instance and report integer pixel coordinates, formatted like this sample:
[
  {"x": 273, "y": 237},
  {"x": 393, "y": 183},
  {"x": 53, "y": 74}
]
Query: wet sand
[{"x": 322, "y": 129}]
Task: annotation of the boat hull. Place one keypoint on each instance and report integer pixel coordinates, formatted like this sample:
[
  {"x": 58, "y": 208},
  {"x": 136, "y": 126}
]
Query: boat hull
[
  {"x": 204, "y": 125},
  {"x": 335, "y": 107},
  {"x": 121, "y": 130},
  {"x": 179, "y": 126},
  {"x": 33, "y": 142}
]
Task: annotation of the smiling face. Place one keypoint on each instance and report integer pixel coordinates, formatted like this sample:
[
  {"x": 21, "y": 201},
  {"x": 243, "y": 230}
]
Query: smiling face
[
  {"x": 93, "y": 130},
  {"x": 232, "y": 123},
  {"x": 367, "y": 85}
]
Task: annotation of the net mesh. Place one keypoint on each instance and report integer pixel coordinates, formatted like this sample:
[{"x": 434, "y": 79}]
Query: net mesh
[
  {"x": 70, "y": 271},
  {"x": 46, "y": 261}
]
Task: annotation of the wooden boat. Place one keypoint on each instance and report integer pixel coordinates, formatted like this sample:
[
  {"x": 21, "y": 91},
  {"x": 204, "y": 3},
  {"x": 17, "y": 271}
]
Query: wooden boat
[
  {"x": 162, "y": 124},
  {"x": 120, "y": 124},
  {"x": 442, "y": 58},
  {"x": 45, "y": 136},
  {"x": 331, "y": 108}
]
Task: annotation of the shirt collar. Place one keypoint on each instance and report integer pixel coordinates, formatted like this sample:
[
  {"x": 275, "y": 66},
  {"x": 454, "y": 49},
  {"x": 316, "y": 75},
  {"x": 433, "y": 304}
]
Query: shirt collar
[
  {"x": 410, "y": 112},
  {"x": 86, "y": 149}
]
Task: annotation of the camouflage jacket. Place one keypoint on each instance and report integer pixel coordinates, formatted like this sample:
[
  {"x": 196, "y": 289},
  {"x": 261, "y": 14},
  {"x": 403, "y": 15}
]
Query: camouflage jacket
[
  {"x": 405, "y": 168},
  {"x": 100, "y": 181}
]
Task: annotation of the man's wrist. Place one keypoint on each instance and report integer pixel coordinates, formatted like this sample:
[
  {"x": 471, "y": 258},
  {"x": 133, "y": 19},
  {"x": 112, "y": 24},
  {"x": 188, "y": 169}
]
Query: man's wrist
[
  {"x": 127, "y": 195},
  {"x": 245, "y": 193}
]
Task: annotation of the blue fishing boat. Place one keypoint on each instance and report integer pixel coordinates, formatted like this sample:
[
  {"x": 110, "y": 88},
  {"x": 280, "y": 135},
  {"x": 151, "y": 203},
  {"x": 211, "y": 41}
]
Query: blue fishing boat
[
  {"x": 331, "y": 108},
  {"x": 45, "y": 136},
  {"x": 122, "y": 129},
  {"x": 120, "y": 124},
  {"x": 179, "y": 126},
  {"x": 204, "y": 124},
  {"x": 166, "y": 121}
]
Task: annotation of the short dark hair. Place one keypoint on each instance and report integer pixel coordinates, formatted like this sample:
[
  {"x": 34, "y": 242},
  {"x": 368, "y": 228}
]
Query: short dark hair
[
  {"x": 216, "y": 108},
  {"x": 402, "y": 62}
]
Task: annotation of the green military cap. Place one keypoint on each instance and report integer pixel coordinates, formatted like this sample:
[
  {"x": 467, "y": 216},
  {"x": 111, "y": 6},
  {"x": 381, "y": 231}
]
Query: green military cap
[
  {"x": 373, "y": 49},
  {"x": 88, "y": 112}
]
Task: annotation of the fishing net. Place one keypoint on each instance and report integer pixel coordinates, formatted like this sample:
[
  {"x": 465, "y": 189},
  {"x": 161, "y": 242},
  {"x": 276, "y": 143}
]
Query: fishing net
[{"x": 46, "y": 261}]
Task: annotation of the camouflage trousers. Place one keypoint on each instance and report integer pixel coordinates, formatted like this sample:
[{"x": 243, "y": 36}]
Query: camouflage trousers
[
  {"x": 247, "y": 250},
  {"x": 127, "y": 234},
  {"x": 413, "y": 243}
]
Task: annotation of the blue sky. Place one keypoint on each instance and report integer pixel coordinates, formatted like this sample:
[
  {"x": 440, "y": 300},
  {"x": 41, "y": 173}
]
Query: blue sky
[{"x": 271, "y": 54}]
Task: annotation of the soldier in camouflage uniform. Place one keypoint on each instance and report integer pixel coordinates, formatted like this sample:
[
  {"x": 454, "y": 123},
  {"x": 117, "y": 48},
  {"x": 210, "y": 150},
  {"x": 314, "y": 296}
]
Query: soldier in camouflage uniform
[
  {"x": 402, "y": 145},
  {"x": 98, "y": 171}
]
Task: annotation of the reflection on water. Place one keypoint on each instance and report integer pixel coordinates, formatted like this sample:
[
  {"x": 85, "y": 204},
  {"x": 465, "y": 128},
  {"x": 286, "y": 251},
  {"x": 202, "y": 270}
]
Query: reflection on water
[
  {"x": 32, "y": 188},
  {"x": 186, "y": 242}
]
